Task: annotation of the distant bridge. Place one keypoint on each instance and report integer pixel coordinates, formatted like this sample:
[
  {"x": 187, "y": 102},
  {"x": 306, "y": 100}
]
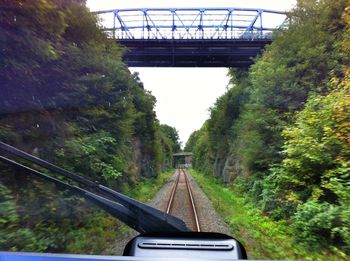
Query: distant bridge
[
  {"x": 192, "y": 37},
  {"x": 182, "y": 159}
]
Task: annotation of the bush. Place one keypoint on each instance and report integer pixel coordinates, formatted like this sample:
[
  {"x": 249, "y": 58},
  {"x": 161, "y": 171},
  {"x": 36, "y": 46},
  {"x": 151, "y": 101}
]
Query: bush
[{"x": 316, "y": 223}]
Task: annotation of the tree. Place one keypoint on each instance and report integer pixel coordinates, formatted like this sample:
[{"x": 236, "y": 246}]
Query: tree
[
  {"x": 68, "y": 98},
  {"x": 173, "y": 135}
]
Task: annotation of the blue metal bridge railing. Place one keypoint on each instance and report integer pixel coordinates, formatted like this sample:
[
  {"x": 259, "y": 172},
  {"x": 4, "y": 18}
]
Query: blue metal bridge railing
[{"x": 191, "y": 23}]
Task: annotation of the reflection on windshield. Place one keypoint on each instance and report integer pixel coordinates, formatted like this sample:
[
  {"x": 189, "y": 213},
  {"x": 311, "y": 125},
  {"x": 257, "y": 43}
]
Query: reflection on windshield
[{"x": 270, "y": 166}]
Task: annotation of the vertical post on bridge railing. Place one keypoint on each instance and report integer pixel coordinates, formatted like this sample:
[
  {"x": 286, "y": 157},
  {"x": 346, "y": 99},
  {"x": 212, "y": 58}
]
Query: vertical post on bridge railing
[
  {"x": 144, "y": 11},
  {"x": 143, "y": 27},
  {"x": 261, "y": 24},
  {"x": 201, "y": 23},
  {"x": 113, "y": 25},
  {"x": 173, "y": 27},
  {"x": 227, "y": 21},
  {"x": 232, "y": 23}
]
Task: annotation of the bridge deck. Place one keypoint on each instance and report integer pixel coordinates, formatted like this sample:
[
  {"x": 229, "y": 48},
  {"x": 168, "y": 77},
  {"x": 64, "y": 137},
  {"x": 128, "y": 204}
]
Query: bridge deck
[{"x": 191, "y": 53}]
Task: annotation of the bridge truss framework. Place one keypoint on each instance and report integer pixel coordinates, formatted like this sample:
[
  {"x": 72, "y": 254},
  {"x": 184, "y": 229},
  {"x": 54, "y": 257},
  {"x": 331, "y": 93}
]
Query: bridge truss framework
[{"x": 187, "y": 37}]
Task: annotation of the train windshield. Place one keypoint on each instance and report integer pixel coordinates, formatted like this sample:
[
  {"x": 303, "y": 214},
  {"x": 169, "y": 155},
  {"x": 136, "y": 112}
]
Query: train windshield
[{"x": 124, "y": 118}]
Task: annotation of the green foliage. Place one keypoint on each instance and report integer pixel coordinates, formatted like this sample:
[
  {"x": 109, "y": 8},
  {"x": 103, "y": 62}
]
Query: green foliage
[
  {"x": 315, "y": 223},
  {"x": 202, "y": 158},
  {"x": 258, "y": 138},
  {"x": 146, "y": 189},
  {"x": 10, "y": 237},
  {"x": 170, "y": 144},
  {"x": 99, "y": 231},
  {"x": 63, "y": 224},
  {"x": 315, "y": 149},
  {"x": 192, "y": 141},
  {"x": 281, "y": 131},
  {"x": 211, "y": 143},
  {"x": 263, "y": 237},
  {"x": 313, "y": 179},
  {"x": 278, "y": 84},
  {"x": 68, "y": 97},
  {"x": 172, "y": 134},
  {"x": 222, "y": 115},
  {"x": 96, "y": 155},
  {"x": 40, "y": 24}
]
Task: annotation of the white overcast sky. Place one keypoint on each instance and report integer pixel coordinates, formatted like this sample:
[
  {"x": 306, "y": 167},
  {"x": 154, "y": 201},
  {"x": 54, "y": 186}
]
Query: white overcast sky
[{"x": 184, "y": 95}]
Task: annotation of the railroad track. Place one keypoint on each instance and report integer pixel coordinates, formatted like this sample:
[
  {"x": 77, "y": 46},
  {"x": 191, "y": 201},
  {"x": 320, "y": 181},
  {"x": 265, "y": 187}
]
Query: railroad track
[{"x": 181, "y": 202}]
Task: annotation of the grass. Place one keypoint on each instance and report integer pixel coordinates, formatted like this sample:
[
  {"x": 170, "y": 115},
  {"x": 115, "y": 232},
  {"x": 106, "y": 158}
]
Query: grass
[
  {"x": 146, "y": 189},
  {"x": 98, "y": 231},
  {"x": 262, "y": 237}
]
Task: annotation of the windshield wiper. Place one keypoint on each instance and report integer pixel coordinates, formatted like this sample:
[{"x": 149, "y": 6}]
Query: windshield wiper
[{"x": 133, "y": 213}]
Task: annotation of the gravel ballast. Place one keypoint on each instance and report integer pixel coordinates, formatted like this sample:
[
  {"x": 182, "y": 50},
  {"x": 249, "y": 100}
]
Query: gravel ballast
[{"x": 210, "y": 220}]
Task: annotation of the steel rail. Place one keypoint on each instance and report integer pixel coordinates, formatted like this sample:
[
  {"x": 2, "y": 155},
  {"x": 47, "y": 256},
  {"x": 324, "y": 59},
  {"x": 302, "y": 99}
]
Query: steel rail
[
  {"x": 189, "y": 191},
  {"x": 171, "y": 199},
  {"x": 193, "y": 205}
]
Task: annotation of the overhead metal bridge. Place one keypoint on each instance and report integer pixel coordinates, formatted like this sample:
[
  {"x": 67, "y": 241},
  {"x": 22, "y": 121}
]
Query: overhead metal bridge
[{"x": 191, "y": 37}]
